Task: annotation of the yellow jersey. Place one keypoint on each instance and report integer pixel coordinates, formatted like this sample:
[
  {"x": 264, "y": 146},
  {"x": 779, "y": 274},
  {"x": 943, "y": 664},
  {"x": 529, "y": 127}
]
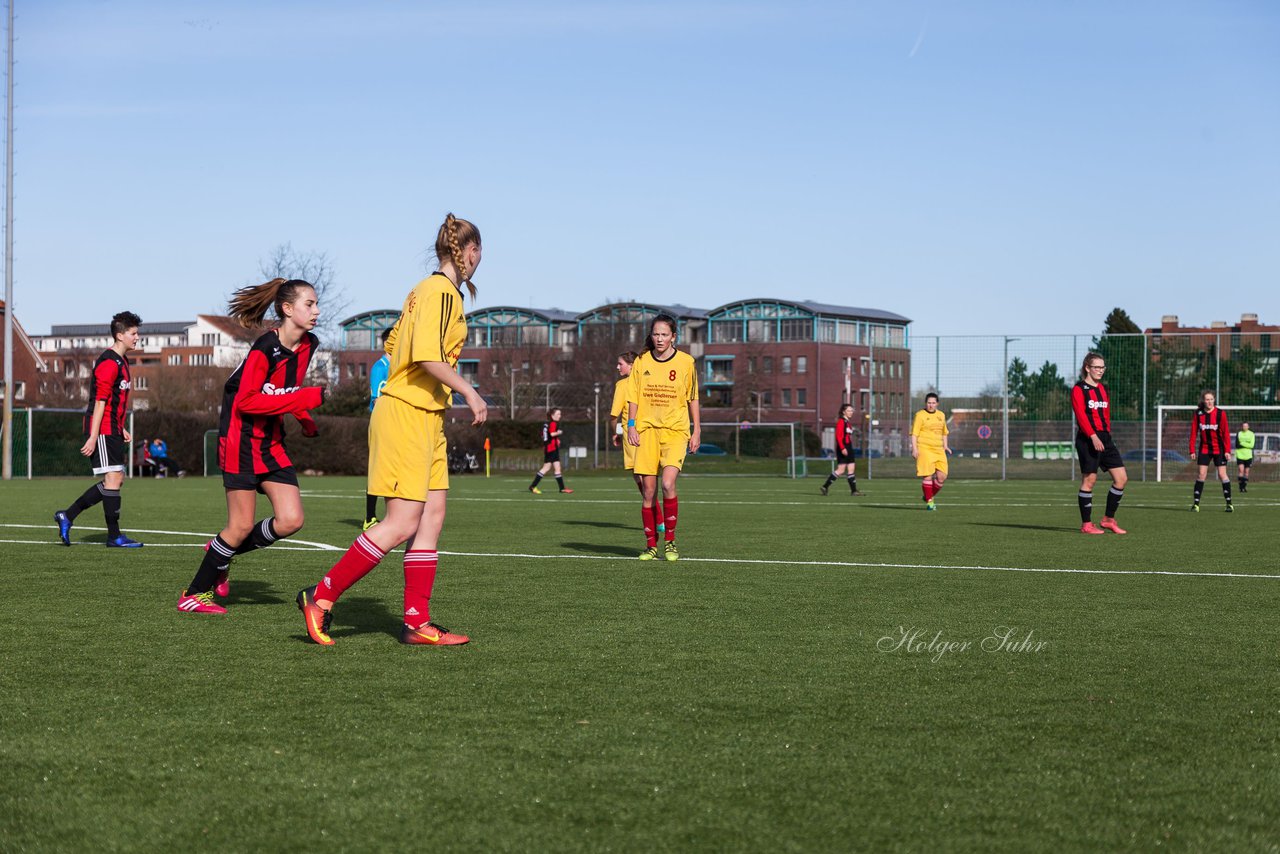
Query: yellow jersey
[
  {"x": 662, "y": 390},
  {"x": 619, "y": 408},
  {"x": 929, "y": 428},
  {"x": 431, "y": 328}
]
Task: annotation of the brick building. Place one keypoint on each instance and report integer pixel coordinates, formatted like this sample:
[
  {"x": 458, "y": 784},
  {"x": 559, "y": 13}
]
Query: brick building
[{"x": 28, "y": 365}]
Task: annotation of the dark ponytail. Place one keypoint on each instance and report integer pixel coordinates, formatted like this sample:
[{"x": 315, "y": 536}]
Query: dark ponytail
[{"x": 249, "y": 305}]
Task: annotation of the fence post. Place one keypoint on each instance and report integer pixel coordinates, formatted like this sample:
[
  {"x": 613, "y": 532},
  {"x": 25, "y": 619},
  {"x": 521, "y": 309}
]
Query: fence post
[
  {"x": 1145, "y": 359},
  {"x": 30, "y": 446}
]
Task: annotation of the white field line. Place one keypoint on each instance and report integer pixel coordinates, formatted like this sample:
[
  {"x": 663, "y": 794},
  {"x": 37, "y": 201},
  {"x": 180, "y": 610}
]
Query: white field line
[
  {"x": 838, "y": 563},
  {"x": 312, "y": 546}
]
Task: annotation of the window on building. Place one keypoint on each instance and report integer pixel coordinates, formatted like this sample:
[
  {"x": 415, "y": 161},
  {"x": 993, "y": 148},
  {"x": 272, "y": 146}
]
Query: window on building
[
  {"x": 140, "y": 383},
  {"x": 719, "y": 370},
  {"x": 478, "y": 336},
  {"x": 767, "y": 365},
  {"x": 751, "y": 364},
  {"x": 364, "y": 369},
  {"x": 493, "y": 369},
  {"x": 720, "y": 396},
  {"x": 201, "y": 359},
  {"x": 768, "y": 398},
  {"x": 209, "y": 339},
  {"x": 786, "y": 397},
  {"x": 802, "y": 364},
  {"x": 726, "y": 331},
  {"x": 786, "y": 364},
  {"x": 760, "y": 331},
  {"x": 469, "y": 370},
  {"x": 175, "y": 359},
  {"x": 801, "y": 396},
  {"x": 796, "y": 329}
]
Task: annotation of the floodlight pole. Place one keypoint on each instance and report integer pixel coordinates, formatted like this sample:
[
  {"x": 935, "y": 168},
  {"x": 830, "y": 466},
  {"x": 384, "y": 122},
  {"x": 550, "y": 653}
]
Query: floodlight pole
[
  {"x": 596, "y": 431},
  {"x": 6, "y": 449}
]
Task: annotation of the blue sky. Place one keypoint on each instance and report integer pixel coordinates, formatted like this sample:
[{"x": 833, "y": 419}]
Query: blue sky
[{"x": 981, "y": 167}]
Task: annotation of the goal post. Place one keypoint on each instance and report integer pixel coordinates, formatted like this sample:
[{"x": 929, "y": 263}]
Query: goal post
[
  {"x": 1265, "y": 423},
  {"x": 739, "y": 439}
]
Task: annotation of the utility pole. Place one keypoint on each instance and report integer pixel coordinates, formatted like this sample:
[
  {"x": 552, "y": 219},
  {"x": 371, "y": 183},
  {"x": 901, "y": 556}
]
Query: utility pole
[{"x": 6, "y": 469}]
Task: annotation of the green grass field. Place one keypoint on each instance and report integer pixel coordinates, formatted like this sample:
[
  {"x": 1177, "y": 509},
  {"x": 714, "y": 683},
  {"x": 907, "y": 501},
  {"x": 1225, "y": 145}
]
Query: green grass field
[{"x": 756, "y": 695}]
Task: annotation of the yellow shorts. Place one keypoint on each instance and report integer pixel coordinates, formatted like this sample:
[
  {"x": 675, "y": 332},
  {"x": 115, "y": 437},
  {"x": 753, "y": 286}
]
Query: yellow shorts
[
  {"x": 659, "y": 448},
  {"x": 628, "y": 454},
  {"x": 408, "y": 455},
  {"x": 931, "y": 460}
]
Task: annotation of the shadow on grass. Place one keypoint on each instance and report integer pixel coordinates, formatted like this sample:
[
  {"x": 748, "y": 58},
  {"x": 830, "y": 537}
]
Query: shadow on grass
[
  {"x": 596, "y": 549},
  {"x": 595, "y": 524},
  {"x": 364, "y": 616},
  {"x": 1057, "y": 529},
  {"x": 249, "y": 592},
  {"x": 908, "y": 508}
]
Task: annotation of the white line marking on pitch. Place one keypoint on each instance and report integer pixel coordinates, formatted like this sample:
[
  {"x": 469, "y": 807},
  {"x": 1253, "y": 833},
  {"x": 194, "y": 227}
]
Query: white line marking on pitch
[
  {"x": 314, "y": 546},
  {"x": 882, "y": 565}
]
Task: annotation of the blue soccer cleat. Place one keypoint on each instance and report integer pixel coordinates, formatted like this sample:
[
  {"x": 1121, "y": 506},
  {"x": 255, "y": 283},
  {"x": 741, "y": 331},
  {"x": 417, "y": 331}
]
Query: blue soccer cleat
[
  {"x": 64, "y": 527},
  {"x": 123, "y": 542}
]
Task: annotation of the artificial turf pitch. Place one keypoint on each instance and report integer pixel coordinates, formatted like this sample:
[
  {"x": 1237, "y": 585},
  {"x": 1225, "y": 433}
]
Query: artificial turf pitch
[{"x": 756, "y": 695}]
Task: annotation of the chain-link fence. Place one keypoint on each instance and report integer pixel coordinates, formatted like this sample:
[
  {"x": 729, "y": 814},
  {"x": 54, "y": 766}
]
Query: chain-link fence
[{"x": 1008, "y": 398}]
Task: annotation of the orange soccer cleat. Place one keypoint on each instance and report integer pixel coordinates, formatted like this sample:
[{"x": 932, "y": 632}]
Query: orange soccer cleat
[
  {"x": 1090, "y": 528},
  {"x": 1110, "y": 524},
  {"x": 431, "y": 635},
  {"x": 316, "y": 618}
]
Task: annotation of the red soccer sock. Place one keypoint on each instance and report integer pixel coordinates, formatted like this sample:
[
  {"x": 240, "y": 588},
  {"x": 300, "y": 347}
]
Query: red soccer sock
[
  {"x": 419, "y": 577},
  {"x": 354, "y": 565},
  {"x": 649, "y": 518},
  {"x": 670, "y": 512},
  {"x": 927, "y": 486},
  {"x": 937, "y": 487}
]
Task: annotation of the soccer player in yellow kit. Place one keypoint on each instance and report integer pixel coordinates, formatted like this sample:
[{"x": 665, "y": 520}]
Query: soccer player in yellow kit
[
  {"x": 662, "y": 402},
  {"x": 929, "y": 447},
  {"x": 407, "y": 448},
  {"x": 619, "y": 413}
]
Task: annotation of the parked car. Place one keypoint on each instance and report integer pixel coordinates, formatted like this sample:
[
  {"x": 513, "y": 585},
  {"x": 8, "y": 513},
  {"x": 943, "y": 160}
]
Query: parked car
[
  {"x": 712, "y": 450},
  {"x": 1138, "y": 455}
]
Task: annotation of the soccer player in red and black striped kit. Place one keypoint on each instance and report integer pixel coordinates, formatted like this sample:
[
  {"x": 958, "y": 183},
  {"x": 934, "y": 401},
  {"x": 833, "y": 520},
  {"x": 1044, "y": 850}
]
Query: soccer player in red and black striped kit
[
  {"x": 1211, "y": 443},
  {"x": 1094, "y": 448},
  {"x": 265, "y": 387},
  {"x": 106, "y": 438},
  {"x": 551, "y": 433},
  {"x": 844, "y": 452}
]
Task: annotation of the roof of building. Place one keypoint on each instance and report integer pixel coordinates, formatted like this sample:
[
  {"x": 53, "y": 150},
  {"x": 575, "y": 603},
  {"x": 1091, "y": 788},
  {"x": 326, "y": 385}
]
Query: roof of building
[
  {"x": 24, "y": 339},
  {"x": 826, "y": 309},
  {"x": 680, "y": 312},
  {"x": 372, "y": 314},
  {"x": 554, "y": 315},
  {"x": 230, "y": 327},
  {"x": 164, "y": 327}
]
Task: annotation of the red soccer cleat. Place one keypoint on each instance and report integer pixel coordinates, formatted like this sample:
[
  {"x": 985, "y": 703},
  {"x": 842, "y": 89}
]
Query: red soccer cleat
[
  {"x": 1090, "y": 528},
  {"x": 200, "y": 603},
  {"x": 1110, "y": 525},
  {"x": 566, "y": 491},
  {"x": 431, "y": 635}
]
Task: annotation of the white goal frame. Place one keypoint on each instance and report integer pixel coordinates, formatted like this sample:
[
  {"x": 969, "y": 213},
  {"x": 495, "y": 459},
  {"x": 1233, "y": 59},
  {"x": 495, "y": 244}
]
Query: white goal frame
[
  {"x": 790, "y": 425},
  {"x": 1160, "y": 410}
]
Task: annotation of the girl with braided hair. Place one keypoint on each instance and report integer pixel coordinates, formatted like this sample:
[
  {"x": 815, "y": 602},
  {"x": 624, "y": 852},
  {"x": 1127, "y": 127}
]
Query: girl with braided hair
[
  {"x": 408, "y": 460},
  {"x": 265, "y": 388}
]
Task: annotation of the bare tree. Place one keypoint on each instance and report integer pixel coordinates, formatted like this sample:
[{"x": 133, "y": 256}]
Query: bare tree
[{"x": 316, "y": 268}]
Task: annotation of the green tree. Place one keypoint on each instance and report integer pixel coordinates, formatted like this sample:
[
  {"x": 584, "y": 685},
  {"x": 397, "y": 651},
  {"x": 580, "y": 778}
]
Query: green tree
[
  {"x": 1047, "y": 395},
  {"x": 1124, "y": 348}
]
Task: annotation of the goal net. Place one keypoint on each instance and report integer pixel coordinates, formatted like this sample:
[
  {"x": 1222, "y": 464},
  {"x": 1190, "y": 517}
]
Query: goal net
[
  {"x": 747, "y": 447},
  {"x": 1173, "y": 457}
]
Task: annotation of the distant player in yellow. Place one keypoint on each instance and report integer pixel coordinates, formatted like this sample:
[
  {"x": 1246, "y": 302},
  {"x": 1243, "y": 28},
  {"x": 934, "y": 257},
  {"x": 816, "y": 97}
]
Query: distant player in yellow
[
  {"x": 619, "y": 413},
  {"x": 929, "y": 447},
  {"x": 662, "y": 402}
]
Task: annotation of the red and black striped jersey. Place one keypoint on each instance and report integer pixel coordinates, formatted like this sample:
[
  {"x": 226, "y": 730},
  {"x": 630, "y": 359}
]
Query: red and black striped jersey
[
  {"x": 844, "y": 436},
  {"x": 1210, "y": 433},
  {"x": 1092, "y": 408},
  {"x": 549, "y": 442},
  {"x": 266, "y": 387},
  {"x": 111, "y": 382}
]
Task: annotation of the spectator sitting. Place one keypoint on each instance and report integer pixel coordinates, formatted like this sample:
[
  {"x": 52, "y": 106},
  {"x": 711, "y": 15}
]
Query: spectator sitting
[{"x": 159, "y": 452}]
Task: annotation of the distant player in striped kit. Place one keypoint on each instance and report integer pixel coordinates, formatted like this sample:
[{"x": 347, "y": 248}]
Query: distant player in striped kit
[
  {"x": 1092, "y": 408},
  {"x": 551, "y": 433},
  {"x": 265, "y": 388},
  {"x": 844, "y": 452},
  {"x": 106, "y": 438},
  {"x": 1210, "y": 444},
  {"x": 408, "y": 453}
]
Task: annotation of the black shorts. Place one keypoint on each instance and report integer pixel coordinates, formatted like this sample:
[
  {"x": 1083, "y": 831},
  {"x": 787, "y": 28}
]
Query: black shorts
[
  {"x": 109, "y": 455},
  {"x": 1246, "y": 463},
  {"x": 1211, "y": 459},
  {"x": 1092, "y": 460},
  {"x": 843, "y": 459},
  {"x": 250, "y": 481},
  {"x": 551, "y": 456}
]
